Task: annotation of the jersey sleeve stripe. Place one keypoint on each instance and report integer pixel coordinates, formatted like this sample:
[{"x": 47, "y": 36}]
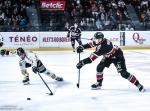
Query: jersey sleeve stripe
[{"x": 93, "y": 56}]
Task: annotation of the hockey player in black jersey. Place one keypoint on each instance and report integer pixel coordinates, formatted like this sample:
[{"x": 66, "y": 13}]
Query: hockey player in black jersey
[
  {"x": 74, "y": 33},
  {"x": 4, "y": 52},
  {"x": 30, "y": 59},
  {"x": 111, "y": 54}
]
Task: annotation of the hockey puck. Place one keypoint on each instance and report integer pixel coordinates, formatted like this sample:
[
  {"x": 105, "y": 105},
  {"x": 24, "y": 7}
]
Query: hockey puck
[{"x": 28, "y": 98}]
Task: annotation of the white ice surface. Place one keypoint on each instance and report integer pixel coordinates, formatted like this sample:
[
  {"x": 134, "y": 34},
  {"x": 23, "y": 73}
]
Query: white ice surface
[{"x": 117, "y": 94}]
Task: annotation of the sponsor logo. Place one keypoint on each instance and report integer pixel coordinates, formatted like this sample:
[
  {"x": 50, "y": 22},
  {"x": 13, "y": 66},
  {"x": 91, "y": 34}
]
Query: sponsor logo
[
  {"x": 138, "y": 39},
  {"x": 52, "y": 5},
  {"x": 27, "y": 38},
  {"x": 114, "y": 39},
  {"x": 56, "y": 39}
]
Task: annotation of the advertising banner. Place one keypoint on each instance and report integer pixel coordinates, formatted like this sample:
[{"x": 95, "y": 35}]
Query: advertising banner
[
  {"x": 60, "y": 39},
  {"x": 137, "y": 38},
  {"x": 52, "y": 5},
  {"x": 54, "y": 39},
  {"x": 20, "y": 39}
]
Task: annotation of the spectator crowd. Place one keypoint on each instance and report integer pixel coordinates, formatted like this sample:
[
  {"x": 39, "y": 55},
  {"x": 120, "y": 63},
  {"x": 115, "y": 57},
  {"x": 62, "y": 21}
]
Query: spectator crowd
[
  {"x": 13, "y": 15},
  {"x": 108, "y": 14},
  {"x": 90, "y": 15}
]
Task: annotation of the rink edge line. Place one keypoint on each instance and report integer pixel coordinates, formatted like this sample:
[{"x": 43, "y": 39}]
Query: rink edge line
[{"x": 69, "y": 49}]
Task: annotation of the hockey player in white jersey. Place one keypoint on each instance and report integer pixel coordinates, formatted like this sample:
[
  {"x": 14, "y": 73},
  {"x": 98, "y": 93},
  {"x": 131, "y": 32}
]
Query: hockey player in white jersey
[{"x": 30, "y": 59}]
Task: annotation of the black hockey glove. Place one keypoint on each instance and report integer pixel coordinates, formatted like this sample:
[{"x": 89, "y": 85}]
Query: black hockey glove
[
  {"x": 83, "y": 62},
  {"x": 34, "y": 69},
  {"x": 80, "y": 65},
  {"x": 80, "y": 49},
  {"x": 1, "y": 44}
]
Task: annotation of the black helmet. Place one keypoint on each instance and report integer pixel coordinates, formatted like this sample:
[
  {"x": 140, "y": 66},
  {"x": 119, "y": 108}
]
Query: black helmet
[
  {"x": 20, "y": 51},
  {"x": 3, "y": 52},
  {"x": 98, "y": 35}
]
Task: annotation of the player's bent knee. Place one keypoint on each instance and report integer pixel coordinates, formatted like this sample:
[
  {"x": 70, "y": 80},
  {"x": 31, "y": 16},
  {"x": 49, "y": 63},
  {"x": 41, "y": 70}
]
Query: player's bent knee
[
  {"x": 24, "y": 72},
  {"x": 100, "y": 68},
  {"x": 125, "y": 74}
]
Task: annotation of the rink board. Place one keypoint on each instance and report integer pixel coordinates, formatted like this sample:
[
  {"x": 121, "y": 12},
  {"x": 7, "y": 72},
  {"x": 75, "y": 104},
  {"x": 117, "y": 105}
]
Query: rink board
[{"x": 58, "y": 41}]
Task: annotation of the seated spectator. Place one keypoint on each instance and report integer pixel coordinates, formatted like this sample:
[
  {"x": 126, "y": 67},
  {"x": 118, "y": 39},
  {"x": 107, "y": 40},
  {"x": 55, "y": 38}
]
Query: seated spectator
[
  {"x": 2, "y": 17},
  {"x": 22, "y": 23},
  {"x": 129, "y": 27}
]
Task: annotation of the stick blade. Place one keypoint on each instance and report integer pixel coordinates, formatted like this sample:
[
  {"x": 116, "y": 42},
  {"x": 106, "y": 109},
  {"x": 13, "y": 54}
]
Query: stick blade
[
  {"x": 77, "y": 85},
  {"x": 50, "y": 94}
]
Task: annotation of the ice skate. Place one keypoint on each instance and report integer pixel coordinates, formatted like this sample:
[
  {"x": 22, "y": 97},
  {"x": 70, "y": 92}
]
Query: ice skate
[
  {"x": 26, "y": 81},
  {"x": 96, "y": 86},
  {"x": 142, "y": 89},
  {"x": 59, "y": 79}
]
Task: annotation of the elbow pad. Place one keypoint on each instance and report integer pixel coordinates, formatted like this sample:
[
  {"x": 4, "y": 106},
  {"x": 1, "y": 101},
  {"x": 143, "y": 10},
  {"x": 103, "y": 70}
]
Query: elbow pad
[{"x": 93, "y": 56}]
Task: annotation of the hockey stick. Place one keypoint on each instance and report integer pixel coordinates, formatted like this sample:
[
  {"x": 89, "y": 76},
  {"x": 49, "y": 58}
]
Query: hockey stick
[
  {"x": 51, "y": 93},
  {"x": 1, "y": 38},
  {"x": 78, "y": 84},
  {"x": 86, "y": 38}
]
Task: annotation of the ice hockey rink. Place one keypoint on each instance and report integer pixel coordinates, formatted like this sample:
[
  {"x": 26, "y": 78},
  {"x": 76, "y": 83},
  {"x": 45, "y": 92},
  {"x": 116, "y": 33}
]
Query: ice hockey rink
[{"x": 117, "y": 94}]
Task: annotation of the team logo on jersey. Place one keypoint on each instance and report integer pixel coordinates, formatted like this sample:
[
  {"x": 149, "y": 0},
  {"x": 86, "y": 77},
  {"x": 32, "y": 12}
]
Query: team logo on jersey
[{"x": 98, "y": 47}]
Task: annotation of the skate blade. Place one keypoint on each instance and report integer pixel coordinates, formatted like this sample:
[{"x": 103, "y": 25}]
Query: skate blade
[
  {"x": 143, "y": 90},
  {"x": 26, "y": 83},
  {"x": 96, "y": 88}
]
